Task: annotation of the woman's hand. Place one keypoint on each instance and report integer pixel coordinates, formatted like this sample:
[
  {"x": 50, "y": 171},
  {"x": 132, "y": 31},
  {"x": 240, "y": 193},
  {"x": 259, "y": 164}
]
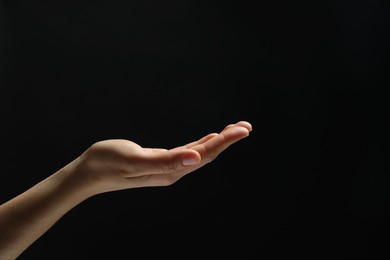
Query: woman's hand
[{"x": 121, "y": 164}]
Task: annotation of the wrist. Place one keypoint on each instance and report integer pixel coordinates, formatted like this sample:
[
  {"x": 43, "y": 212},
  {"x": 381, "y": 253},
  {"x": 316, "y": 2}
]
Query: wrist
[{"x": 73, "y": 182}]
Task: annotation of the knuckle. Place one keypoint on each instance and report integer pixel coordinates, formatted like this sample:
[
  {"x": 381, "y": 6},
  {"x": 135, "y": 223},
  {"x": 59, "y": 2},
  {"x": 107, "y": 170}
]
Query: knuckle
[{"x": 211, "y": 157}]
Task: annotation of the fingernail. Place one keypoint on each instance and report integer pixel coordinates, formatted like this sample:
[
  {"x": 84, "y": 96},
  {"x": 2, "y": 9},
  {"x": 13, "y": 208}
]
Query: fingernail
[{"x": 189, "y": 161}]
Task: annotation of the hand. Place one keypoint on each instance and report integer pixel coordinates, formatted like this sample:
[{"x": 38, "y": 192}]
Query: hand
[{"x": 121, "y": 164}]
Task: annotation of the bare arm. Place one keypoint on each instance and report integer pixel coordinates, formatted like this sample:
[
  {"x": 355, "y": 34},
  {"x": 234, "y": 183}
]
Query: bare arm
[{"x": 106, "y": 166}]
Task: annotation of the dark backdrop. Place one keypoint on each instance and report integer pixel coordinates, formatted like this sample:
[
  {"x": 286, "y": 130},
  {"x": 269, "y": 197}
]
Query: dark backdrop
[{"x": 312, "y": 181}]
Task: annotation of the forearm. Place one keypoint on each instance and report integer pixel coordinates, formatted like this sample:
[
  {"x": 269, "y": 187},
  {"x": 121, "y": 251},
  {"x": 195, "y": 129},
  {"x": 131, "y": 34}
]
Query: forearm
[{"x": 26, "y": 217}]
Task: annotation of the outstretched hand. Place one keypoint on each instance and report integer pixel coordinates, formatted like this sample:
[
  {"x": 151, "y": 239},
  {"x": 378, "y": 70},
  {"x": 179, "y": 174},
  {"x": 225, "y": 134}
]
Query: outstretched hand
[
  {"x": 106, "y": 166},
  {"x": 122, "y": 164}
]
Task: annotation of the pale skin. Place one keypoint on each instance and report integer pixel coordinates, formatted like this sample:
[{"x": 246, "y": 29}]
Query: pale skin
[{"x": 105, "y": 166}]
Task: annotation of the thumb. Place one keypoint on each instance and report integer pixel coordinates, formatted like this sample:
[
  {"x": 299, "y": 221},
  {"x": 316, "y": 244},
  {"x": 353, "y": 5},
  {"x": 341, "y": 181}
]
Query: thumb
[
  {"x": 169, "y": 161},
  {"x": 190, "y": 158}
]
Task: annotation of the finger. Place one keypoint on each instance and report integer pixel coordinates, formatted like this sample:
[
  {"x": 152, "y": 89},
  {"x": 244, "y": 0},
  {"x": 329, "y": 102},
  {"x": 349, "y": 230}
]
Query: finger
[
  {"x": 200, "y": 141},
  {"x": 213, "y": 147},
  {"x": 204, "y": 139},
  {"x": 160, "y": 161}
]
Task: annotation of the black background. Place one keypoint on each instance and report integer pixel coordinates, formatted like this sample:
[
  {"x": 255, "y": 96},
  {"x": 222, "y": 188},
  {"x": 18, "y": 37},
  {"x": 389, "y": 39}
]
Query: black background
[{"x": 312, "y": 180}]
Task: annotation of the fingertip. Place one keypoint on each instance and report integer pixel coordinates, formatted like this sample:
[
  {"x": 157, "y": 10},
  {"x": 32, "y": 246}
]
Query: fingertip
[
  {"x": 245, "y": 131},
  {"x": 245, "y": 124}
]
